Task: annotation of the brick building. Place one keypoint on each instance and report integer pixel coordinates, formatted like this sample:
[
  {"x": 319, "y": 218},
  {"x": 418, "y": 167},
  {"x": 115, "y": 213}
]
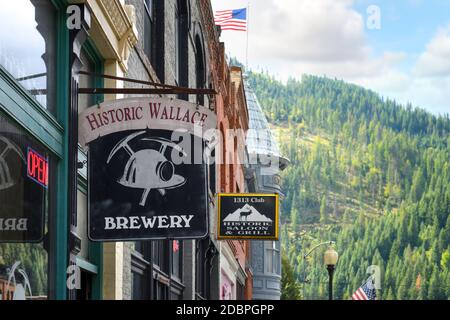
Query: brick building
[{"x": 233, "y": 119}]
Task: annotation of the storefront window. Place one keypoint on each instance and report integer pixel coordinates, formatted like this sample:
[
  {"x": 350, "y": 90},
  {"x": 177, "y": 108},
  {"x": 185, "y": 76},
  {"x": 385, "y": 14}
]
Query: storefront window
[
  {"x": 28, "y": 47},
  {"x": 177, "y": 265},
  {"x": 273, "y": 258},
  {"x": 24, "y": 197},
  {"x": 141, "y": 271}
]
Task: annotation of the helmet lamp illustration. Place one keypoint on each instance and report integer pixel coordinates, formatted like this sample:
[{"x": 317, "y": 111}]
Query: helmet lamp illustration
[{"x": 148, "y": 169}]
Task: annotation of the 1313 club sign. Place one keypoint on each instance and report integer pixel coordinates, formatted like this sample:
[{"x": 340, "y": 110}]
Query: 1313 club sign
[
  {"x": 248, "y": 216},
  {"x": 145, "y": 181}
]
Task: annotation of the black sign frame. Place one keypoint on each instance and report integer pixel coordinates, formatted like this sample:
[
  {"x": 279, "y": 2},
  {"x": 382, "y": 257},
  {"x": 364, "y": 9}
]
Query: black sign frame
[
  {"x": 196, "y": 234},
  {"x": 246, "y": 199}
]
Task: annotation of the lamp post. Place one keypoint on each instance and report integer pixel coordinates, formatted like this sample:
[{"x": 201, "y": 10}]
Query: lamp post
[{"x": 330, "y": 259}]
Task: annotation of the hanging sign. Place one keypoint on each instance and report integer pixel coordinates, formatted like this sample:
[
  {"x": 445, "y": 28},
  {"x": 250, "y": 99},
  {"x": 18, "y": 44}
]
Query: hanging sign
[
  {"x": 24, "y": 170},
  {"x": 248, "y": 216},
  {"x": 147, "y": 176}
]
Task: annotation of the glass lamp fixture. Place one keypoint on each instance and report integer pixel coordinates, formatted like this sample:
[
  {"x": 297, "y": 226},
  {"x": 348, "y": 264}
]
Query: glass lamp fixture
[{"x": 330, "y": 257}]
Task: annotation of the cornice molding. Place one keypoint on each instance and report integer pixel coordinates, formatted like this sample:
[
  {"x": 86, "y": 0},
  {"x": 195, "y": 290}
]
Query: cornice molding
[{"x": 122, "y": 21}]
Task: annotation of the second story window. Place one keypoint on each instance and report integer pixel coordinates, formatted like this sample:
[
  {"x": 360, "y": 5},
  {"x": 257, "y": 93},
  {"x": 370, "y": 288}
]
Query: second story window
[
  {"x": 177, "y": 44},
  {"x": 149, "y": 25},
  {"x": 200, "y": 68},
  {"x": 181, "y": 45}
]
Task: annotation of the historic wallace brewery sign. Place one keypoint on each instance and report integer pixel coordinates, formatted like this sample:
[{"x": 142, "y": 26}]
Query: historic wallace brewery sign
[
  {"x": 146, "y": 179},
  {"x": 248, "y": 216}
]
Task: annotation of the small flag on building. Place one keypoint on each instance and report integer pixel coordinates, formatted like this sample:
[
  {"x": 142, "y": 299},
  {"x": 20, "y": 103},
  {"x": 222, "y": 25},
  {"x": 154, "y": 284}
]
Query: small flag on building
[
  {"x": 232, "y": 19},
  {"x": 366, "y": 292}
]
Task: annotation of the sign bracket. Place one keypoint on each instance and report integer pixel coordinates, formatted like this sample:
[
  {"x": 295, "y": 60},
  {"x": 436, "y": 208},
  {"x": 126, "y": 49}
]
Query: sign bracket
[{"x": 159, "y": 88}]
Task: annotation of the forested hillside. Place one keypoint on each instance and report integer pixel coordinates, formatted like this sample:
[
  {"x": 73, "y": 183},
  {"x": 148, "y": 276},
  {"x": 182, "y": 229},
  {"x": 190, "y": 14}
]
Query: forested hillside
[{"x": 369, "y": 174}]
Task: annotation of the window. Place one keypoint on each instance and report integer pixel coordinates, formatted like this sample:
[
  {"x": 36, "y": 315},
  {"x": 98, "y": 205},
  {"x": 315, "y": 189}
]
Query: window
[
  {"x": 160, "y": 254},
  {"x": 141, "y": 270},
  {"x": 87, "y": 81},
  {"x": 138, "y": 280},
  {"x": 177, "y": 259},
  {"x": 223, "y": 174},
  {"x": 25, "y": 199},
  {"x": 200, "y": 68},
  {"x": 177, "y": 44},
  {"x": 212, "y": 172},
  {"x": 31, "y": 57},
  {"x": 149, "y": 26},
  {"x": 156, "y": 287},
  {"x": 200, "y": 271},
  {"x": 181, "y": 45},
  {"x": 205, "y": 253},
  {"x": 272, "y": 259}
]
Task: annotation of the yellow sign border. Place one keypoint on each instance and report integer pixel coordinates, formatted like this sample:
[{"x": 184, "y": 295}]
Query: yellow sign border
[{"x": 277, "y": 205}]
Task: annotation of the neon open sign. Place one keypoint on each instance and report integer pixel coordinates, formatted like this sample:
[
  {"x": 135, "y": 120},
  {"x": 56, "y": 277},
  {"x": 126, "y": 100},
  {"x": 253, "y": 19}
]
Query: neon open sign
[{"x": 37, "y": 168}]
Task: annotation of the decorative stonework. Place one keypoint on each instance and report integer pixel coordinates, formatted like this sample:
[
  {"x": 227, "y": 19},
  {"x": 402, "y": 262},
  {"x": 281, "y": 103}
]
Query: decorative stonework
[{"x": 122, "y": 20}]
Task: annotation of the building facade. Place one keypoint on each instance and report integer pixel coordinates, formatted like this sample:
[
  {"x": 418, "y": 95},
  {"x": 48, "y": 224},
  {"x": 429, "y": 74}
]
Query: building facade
[
  {"x": 233, "y": 119},
  {"x": 173, "y": 49},
  {"x": 263, "y": 173},
  {"x": 39, "y": 74},
  {"x": 69, "y": 47}
]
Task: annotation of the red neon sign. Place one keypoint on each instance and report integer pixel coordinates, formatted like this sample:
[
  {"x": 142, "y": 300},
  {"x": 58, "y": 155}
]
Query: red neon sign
[{"x": 37, "y": 168}]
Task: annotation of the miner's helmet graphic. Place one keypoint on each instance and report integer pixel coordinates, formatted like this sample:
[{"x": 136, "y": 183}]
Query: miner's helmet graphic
[
  {"x": 6, "y": 176},
  {"x": 148, "y": 168}
]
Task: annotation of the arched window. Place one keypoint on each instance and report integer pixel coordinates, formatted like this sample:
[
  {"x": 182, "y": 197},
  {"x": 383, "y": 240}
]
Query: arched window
[
  {"x": 181, "y": 45},
  {"x": 200, "y": 67},
  {"x": 223, "y": 176}
]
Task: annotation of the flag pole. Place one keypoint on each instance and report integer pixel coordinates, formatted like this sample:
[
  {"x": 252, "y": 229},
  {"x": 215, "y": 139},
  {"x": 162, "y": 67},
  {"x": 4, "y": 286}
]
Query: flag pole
[{"x": 248, "y": 31}]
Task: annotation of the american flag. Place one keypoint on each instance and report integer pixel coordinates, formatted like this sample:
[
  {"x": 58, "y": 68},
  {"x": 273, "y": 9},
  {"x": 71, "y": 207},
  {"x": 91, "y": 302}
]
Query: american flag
[
  {"x": 366, "y": 292},
  {"x": 232, "y": 19}
]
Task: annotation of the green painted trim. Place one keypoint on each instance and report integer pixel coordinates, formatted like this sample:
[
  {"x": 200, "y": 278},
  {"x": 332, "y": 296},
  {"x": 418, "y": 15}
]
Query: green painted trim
[
  {"x": 86, "y": 265},
  {"x": 82, "y": 186},
  {"x": 96, "y": 256},
  {"x": 19, "y": 105},
  {"x": 62, "y": 98},
  {"x": 95, "y": 248}
]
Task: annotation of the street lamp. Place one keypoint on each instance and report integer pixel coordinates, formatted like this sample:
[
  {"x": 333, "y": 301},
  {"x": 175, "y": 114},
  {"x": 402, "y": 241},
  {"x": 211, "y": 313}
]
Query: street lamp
[{"x": 330, "y": 259}]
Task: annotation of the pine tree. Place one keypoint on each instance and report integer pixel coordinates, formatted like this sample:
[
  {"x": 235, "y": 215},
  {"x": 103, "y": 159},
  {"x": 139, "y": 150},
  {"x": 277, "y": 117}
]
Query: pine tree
[
  {"x": 434, "y": 291},
  {"x": 290, "y": 289},
  {"x": 323, "y": 210}
]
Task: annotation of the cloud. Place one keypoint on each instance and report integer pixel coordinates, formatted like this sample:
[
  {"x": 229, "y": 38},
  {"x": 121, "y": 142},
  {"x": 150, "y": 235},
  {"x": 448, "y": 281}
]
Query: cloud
[
  {"x": 319, "y": 31},
  {"x": 435, "y": 61},
  {"x": 328, "y": 37}
]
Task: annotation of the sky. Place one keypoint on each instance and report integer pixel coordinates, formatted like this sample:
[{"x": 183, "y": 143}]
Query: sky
[{"x": 398, "y": 48}]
